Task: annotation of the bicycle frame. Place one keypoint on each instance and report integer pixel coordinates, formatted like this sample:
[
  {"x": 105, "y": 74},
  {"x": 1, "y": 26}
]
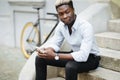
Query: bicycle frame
[
  {"x": 31, "y": 34},
  {"x": 38, "y": 23}
]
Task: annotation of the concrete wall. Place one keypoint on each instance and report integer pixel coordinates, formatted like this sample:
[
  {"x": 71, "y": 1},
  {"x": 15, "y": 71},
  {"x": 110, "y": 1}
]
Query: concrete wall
[
  {"x": 98, "y": 15},
  {"x": 6, "y": 28},
  {"x": 115, "y": 7},
  {"x": 15, "y": 13},
  {"x": 13, "y": 16}
]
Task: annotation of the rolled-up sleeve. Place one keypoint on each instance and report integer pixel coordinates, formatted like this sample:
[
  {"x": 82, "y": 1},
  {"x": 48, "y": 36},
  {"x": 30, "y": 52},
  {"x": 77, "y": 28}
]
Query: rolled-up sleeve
[{"x": 86, "y": 44}]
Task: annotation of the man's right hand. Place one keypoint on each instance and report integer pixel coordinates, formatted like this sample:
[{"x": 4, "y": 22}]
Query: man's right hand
[{"x": 40, "y": 51}]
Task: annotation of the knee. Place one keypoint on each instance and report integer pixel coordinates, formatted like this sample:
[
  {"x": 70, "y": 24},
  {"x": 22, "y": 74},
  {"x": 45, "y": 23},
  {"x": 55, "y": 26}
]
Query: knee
[
  {"x": 39, "y": 61},
  {"x": 70, "y": 66}
]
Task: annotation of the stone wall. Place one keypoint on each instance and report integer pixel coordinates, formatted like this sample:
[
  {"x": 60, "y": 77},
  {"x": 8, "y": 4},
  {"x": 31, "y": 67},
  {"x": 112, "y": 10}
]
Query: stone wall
[{"x": 115, "y": 7}]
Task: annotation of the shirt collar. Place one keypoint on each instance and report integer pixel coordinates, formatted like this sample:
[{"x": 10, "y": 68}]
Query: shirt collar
[{"x": 74, "y": 27}]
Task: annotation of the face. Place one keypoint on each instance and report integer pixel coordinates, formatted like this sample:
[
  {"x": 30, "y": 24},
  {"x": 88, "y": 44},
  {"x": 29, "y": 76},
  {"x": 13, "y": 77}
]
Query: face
[{"x": 66, "y": 14}]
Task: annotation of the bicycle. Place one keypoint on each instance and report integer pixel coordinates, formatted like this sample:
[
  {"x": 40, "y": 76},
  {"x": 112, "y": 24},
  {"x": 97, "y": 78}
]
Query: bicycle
[{"x": 31, "y": 35}]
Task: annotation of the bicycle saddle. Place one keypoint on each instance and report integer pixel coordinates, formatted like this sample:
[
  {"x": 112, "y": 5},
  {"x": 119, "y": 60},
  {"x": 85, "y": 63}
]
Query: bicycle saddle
[{"x": 37, "y": 7}]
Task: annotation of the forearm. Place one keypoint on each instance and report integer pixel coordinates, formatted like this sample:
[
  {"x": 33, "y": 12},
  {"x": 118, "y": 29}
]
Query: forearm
[{"x": 63, "y": 56}]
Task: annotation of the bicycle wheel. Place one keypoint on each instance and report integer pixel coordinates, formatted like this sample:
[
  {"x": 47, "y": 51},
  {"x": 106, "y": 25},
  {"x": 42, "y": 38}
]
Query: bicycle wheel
[{"x": 29, "y": 39}]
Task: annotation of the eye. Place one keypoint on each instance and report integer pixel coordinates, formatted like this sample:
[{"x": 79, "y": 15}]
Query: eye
[
  {"x": 67, "y": 11},
  {"x": 60, "y": 14}
]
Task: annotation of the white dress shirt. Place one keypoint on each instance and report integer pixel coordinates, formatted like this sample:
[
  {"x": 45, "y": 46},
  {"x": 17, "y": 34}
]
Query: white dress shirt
[{"x": 81, "y": 41}]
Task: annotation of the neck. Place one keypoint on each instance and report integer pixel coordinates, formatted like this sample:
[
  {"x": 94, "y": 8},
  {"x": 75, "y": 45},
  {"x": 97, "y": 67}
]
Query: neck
[{"x": 71, "y": 24}]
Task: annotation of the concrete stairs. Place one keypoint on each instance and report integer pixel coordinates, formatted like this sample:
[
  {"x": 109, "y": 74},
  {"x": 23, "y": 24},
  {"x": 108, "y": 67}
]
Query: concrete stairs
[
  {"x": 109, "y": 43},
  {"x": 110, "y": 40},
  {"x": 57, "y": 78},
  {"x": 114, "y": 25}
]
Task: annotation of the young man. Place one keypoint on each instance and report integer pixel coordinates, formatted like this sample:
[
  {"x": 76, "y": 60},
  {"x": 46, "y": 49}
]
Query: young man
[{"x": 79, "y": 34}]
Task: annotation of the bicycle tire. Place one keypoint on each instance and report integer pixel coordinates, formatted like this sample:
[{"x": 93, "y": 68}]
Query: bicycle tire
[{"x": 28, "y": 45}]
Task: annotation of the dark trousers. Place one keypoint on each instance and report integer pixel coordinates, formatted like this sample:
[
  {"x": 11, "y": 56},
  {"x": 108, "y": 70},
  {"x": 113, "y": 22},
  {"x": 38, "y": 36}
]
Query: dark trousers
[{"x": 72, "y": 68}]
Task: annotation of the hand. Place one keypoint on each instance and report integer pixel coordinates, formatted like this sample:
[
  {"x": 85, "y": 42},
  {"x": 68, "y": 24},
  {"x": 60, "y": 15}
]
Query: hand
[
  {"x": 40, "y": 51},
  {"x": 46, "y": 53}
]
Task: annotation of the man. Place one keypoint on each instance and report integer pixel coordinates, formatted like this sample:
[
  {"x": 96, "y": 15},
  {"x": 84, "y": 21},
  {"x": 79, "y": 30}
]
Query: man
[{"x": 79, "y": 34}]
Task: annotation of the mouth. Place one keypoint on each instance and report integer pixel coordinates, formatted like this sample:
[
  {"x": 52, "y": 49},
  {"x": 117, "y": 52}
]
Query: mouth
[{"x": 66, "y": 21}]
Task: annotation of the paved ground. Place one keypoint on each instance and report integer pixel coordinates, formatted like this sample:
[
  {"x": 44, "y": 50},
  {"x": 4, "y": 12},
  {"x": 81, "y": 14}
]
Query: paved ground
[{"x": 11, "y": 62}]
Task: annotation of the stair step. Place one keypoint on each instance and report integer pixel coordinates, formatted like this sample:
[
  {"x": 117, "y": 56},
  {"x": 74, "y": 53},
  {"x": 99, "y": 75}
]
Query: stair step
[
  {"x": 114, "y": 25},
  {"x": 109, "y": 40},
  {"x": 57, "y": 78},
  {"x": 98, "y": 74},
  {"x": 110, "y": 59},
  {"x": 104, "y": 74}
]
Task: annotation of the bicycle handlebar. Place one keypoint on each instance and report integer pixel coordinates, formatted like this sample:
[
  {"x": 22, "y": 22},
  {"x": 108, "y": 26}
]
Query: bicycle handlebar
[{"x": 54, "y": 14}]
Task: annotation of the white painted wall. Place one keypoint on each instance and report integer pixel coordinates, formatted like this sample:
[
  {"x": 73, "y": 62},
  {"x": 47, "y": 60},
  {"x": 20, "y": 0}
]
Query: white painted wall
[{"x": 6, "y": 28}]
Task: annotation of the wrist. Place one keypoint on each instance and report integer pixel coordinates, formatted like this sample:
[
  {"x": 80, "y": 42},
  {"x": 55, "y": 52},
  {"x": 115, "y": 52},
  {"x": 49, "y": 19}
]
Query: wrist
[{"x": 56, "y": 56}]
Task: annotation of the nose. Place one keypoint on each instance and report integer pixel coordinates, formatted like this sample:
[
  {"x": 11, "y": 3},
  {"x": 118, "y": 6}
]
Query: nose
[{"x": 65, "y": 16}]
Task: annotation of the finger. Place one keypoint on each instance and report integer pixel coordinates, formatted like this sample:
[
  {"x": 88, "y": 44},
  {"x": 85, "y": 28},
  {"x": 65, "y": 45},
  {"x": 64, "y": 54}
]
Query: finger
[
  {"x": 39, "y": 51},
  {"x": 42, "y": 50},
  {"x": 42, "y": 55}
]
